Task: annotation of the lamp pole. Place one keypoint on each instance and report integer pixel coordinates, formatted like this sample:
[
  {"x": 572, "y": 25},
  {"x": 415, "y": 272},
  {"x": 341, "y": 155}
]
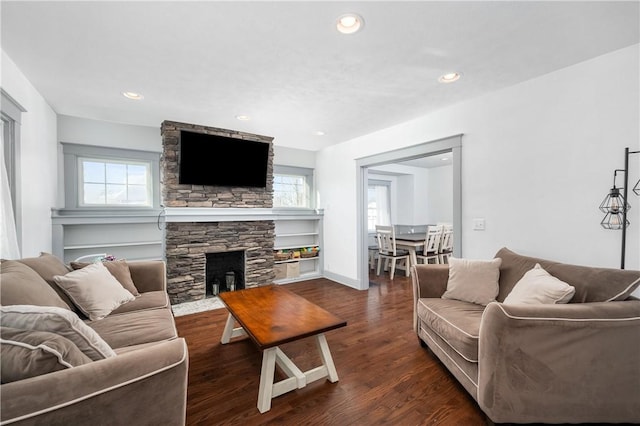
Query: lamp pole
[{"x": 624, "y": 206}]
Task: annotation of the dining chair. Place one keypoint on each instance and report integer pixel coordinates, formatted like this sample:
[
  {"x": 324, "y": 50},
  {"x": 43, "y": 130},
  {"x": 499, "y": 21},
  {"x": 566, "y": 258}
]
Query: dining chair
[
  {"x": 373, "y": 256},
  {"x": 431, "y": 245},
  {"x": 446, "y": 244},
  {"x": 387, "y": 251}
]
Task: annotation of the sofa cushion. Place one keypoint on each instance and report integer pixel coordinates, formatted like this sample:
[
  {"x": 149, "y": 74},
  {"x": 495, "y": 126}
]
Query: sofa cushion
[
  {"x": 537, "y": 286},
  {"x": 135, "y": 328},
  {"x": 59, "y": 321},
  {"x": 47, "y": 266},
  {"x": 148, "y": 300},
  {"x": 26, "y": 353},
  {"x": 455, "y": 321},
  {"x": 592, "y": 284},
  {"x": 119, "y": 269},
  {"x": 474, "y": 281},
  {"x": 94, "y": 290},
  {"x": 21, "y": 285}
]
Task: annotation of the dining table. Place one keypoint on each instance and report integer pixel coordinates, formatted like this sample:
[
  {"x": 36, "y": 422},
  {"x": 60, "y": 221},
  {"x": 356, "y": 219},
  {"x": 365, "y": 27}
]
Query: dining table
[{"x": 411, "y": 242}]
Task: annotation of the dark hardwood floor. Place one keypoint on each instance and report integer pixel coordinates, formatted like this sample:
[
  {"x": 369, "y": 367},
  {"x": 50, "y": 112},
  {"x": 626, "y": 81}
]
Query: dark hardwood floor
[{"x": 386, "y": 377}]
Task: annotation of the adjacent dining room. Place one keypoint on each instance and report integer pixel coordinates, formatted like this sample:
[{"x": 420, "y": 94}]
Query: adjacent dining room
[{"x": 409, "y": 215}]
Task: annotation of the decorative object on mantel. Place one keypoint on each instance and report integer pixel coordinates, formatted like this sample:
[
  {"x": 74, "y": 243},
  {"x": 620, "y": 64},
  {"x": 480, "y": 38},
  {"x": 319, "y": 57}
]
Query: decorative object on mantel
[{"x": 615, "y": 205}]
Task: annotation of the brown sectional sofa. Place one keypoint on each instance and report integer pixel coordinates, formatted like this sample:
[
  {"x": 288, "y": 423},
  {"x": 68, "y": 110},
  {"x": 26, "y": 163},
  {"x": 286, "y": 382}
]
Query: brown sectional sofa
[
  {"x": 539, "y": 363},
  {"x": 145, "y": 383}
]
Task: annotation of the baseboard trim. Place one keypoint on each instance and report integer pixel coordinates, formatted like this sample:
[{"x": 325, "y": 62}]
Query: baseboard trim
[{"x": 341, "y": 279}]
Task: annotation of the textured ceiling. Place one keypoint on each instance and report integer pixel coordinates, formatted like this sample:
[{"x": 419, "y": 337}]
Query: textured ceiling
[{"x": 285, "y": 66}]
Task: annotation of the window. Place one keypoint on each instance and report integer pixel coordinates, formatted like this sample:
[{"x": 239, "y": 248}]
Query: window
[
  {"x": 292, "y": 187},
  {"x": 378, "y": 204},
  {"x": 10, "y": 232},
  {"x": 114, "y": 183},
  {"x": 100, "y": 177}
]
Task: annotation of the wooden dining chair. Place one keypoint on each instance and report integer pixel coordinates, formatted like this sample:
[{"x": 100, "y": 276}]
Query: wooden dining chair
[
  {"x": 387, "y": 251},
  {"x": 431, "y": 247},
  {"x": 446, "y": 244}
]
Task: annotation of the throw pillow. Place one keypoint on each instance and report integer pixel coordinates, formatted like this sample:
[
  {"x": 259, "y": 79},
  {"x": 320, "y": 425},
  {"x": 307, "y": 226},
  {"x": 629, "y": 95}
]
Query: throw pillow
[
  {"x": 538, "y": 286},
  {"x": 94, "y": 290},
  {"x": 474, "y": 281},
  {"x": 21, "y": 285},
  {"x": 48, "y": 265},
  {"x": 59, "y": 321},
  {"x": 26, "y": 353},
  {"x": 119, "y": 269}
]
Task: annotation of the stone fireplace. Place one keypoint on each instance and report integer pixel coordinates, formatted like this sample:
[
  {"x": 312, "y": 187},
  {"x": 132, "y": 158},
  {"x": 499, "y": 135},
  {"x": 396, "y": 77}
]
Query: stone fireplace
[{"x": 205, "y": 221}]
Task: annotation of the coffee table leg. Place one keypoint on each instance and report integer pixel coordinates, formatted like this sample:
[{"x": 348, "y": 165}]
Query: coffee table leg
[
  {"x": 327, "y": 360},
  {"x": 266, "y": 379},
  {"x": 230, "y": 331}
]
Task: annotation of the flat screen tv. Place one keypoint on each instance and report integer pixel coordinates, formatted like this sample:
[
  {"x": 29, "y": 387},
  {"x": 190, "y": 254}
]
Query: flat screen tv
[{"x": 222, "y": 161}]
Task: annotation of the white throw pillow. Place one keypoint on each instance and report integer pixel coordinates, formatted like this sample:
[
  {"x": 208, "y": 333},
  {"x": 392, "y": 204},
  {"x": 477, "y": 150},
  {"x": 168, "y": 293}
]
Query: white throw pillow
[
  {"x": 538, "y": 286},
  {"x": 474, "y": 281},
  {"x": 59, "y": 321},
  {"x": 94, "y": 290}
]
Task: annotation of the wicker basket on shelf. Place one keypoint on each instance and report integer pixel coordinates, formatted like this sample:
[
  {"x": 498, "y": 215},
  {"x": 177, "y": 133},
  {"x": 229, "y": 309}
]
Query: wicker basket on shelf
[
  {"x": 307, "y": 254},
  {"x": 282, "y": 256}
]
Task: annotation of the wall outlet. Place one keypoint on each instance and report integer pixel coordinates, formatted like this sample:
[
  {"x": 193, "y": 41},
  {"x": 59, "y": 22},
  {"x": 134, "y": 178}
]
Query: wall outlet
[{"x": 478, "y": 224}]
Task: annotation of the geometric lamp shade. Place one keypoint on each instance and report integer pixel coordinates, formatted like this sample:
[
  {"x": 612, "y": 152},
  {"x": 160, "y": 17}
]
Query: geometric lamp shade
[
  {"x": 614, "y": 202},
  {"x": 613, "y": 220}
]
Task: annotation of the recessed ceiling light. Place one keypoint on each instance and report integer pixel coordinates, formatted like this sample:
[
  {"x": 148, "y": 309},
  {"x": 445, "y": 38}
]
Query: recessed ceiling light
[
  {"x": 349, "y": 23},
  {"x": 445, "y": 158},
  {"x": 318, "y": 133},
  {"x": 243, "y": 117},
  {"x": 133, "y": 95},
  {"x": 449, "y": 77}
]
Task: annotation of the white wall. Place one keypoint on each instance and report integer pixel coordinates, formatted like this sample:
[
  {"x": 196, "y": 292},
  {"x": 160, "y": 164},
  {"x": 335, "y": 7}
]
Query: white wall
[
  {"x": 284, "y": 156},
  {"x": 537, "y": 160},
  {"x": 440, "y": 195},
  {"x": 102, "y": 133},
  {"x": 409, "y": 192},
  {"x": 37, "y": 172}
]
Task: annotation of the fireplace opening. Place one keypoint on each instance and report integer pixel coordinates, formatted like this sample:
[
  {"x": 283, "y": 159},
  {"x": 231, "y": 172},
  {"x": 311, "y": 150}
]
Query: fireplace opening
[{"x": 224, "y": 272}]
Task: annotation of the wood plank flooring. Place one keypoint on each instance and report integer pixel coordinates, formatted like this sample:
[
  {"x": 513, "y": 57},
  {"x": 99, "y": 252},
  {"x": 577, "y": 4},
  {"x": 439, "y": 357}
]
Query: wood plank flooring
[{"x": 386, "y": 377}]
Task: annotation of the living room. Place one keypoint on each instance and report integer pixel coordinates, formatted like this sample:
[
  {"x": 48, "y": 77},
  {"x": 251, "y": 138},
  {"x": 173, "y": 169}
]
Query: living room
[{"x": 537, "y": 155}]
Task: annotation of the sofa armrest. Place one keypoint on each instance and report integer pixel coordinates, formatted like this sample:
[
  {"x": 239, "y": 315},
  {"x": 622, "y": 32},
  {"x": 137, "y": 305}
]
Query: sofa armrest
[
  {"x": 560, "y": 363},
  {"x": 149, "y": 275},
  {"x": 145, "y": 386},
  {"x": 428, "y": 281}
]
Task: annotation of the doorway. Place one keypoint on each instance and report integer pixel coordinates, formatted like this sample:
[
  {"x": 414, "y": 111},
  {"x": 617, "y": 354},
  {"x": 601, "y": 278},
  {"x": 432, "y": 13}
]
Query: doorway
[{"x": 428, "y": 150}]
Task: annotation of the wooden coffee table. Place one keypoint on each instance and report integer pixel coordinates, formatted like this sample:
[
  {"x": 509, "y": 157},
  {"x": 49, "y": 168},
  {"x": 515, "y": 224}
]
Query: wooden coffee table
[{"x": 270, "y": 316}]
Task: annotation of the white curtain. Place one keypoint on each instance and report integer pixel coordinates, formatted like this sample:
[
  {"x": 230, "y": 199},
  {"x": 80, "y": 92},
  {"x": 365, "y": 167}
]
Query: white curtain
[
  {"x": 383, "y": 205},
  {"x": 8, "y": 239}
]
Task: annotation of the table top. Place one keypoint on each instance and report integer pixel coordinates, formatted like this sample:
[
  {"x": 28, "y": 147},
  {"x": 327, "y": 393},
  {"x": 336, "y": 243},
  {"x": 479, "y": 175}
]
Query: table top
[
  {"x": 272, "y": 315},
  {"x": 415, "y": 237}
]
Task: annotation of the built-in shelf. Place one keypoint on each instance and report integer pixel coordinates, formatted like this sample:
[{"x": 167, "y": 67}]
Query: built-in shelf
[
  {"x": 301, "y": 259},
  {"x": 132, "y": 234},
  {"x": 106, "y": 245},
  {"x": 293, "y": 234}
]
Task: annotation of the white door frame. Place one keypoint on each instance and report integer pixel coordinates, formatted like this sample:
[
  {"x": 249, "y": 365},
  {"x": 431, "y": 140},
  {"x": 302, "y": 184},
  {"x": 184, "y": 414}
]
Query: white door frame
[{"x": 451, "y": 144}]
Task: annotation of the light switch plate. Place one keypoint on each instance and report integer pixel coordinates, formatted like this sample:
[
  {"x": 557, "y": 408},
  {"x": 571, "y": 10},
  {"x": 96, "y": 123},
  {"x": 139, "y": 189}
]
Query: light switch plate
[{"x": 478, "y": 224}]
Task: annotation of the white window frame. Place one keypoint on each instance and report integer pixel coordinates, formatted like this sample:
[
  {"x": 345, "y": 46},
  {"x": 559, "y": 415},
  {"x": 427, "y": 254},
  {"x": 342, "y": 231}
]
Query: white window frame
[
  {"x": 387, "y": 184},
  {"x": 74, "y": 154},
  {"x": 81, "y": 182},
  {"x": 303, "y": 172}
]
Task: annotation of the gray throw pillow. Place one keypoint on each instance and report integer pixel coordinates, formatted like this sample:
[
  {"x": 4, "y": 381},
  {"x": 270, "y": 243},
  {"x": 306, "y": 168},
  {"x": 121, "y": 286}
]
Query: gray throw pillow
[
  {"x": 474, "y": 281},
  {"x": 26, "y": 353}
]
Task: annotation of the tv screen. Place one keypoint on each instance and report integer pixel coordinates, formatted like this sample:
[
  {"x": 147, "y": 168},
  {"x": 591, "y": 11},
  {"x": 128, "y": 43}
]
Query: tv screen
[{"x": 222, "y": 161}]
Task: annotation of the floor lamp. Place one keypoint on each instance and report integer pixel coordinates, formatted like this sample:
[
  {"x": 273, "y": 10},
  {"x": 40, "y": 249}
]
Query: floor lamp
[{"x": 615, "y": 205}]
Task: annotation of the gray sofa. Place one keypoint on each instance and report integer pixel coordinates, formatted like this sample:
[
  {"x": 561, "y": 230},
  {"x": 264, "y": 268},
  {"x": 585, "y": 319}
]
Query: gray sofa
[
  {"x": 144, "y": 383},
  {"x": 539, "y": 363}
]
